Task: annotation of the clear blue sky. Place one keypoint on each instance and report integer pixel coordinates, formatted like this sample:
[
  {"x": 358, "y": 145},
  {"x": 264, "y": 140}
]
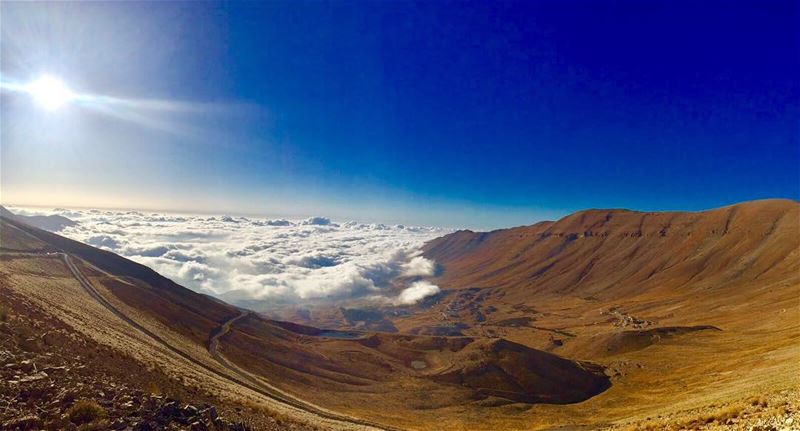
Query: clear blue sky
[{"x": 480, "y": 114}]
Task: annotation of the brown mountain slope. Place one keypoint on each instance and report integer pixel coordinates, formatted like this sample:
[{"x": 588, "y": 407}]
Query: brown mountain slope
[
  {"x": 135, "y": 284},
  {"x": 691, "y": 312},
  {"x": 327, "y": 378},
  {"x": 620, "y": 253}
]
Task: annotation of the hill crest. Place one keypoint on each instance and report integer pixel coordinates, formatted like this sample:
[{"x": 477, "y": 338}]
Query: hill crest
[{"x": 618, "y": 250}]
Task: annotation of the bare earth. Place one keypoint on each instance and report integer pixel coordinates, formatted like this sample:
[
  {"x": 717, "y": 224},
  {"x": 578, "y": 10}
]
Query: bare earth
[{"x": 604, "y": 319}]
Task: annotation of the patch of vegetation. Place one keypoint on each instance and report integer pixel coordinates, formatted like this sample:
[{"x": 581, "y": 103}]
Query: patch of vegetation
[
  {"x": 99, "y": 425},
  {"x": 85, "y": 412},
  {"x": 5, "y": 314},
  {"x": 779, "y": 411},
  {"x": 722, "y": 415}
]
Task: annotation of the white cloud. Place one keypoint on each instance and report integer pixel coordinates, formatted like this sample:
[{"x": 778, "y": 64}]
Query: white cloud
[
  {"x": 318, "y": 221},
  {"x": 103, "y": 241},
  {"x": 416, "y": 292},
  {"x": 419, "y": 266},
  {"x": 273, "y": 260}
]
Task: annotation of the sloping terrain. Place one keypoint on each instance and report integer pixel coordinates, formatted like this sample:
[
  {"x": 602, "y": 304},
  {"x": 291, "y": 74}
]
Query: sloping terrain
[
  {"x": 619, "y": 253},
  {"x": 53, "y": 223},
  {"x": 637, "y": 270},
  {"x": 688, "y": 311},
  {"x": 213, "y": 352},
  {"x": 47, "y": 289},
  {"x": 602, "y": 319}
]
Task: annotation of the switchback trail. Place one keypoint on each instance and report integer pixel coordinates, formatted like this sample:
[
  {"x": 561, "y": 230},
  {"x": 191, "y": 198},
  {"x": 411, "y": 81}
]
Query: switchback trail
[{"x": 246, "y": 380}]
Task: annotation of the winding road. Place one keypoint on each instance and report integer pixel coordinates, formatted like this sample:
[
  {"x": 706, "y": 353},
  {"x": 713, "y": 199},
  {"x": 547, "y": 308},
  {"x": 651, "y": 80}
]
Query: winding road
[
  {"x": 245, "y": 379},
  {"x": 213, "y": 343}
]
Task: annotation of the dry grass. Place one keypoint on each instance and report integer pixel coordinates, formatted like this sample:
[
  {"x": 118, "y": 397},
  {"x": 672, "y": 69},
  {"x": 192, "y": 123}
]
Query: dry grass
[
  {"x": 742, "y": 414},
  {"x": 780, "y": 410},
  {"x": 85, "y": 412},
  {"x": 724, "y": 414}
]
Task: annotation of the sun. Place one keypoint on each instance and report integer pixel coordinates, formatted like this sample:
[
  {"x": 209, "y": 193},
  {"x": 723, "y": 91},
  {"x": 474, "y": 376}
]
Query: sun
[{"x": 50, "y": 92}]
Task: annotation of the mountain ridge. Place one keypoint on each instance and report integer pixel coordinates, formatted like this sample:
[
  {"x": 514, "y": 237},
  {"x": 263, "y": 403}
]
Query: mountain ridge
[
  {"x": 594, "y": 239},
  {"x": 52, "y": 223}
]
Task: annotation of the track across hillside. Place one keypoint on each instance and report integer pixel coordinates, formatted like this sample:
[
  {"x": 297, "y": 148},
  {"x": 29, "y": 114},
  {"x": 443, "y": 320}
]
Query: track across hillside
[
  {"x": 245, "y": 381},
  {"x": 213, "y": 343}
]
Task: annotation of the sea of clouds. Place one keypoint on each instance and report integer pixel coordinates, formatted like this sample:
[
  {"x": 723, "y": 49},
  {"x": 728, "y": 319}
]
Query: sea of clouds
[{"x": 243, "y": 259}]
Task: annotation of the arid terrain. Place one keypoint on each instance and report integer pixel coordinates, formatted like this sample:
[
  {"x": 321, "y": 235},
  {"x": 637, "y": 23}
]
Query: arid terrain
[
  {"x": 690, "y": 313},
  {"x": 603, "y": 319}
]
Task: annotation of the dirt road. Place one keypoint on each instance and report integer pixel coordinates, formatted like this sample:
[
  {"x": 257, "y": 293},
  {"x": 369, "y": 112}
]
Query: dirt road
[{"x": 244, "y": 379}]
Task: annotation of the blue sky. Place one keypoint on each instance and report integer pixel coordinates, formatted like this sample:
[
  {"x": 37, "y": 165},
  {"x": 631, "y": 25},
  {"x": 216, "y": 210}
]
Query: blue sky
[{"x": 482, "y": 114}]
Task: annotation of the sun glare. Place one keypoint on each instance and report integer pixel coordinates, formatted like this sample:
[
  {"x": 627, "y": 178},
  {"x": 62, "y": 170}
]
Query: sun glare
[{"x": 49, "y": 92}]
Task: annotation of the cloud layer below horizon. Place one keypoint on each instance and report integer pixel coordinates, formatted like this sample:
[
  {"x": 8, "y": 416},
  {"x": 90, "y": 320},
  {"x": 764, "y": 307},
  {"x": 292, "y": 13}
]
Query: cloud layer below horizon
[{"x": 276, "y": 261}]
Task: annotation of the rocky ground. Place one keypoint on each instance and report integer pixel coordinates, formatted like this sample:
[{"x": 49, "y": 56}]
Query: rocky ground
[
  {"x": 56, "y": 379},
  {"x": 775, "y": 412}
]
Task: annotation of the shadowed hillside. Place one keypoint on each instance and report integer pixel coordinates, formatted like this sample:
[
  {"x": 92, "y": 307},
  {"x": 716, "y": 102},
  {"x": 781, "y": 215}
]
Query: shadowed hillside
[
  {"x": 53, "y": 223},
  {"x": 603, "y": 318},
  {"x": 312, "y": 375},
  {"x": 691, "y": 314},
  {"x": 689, "y": 311}
]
